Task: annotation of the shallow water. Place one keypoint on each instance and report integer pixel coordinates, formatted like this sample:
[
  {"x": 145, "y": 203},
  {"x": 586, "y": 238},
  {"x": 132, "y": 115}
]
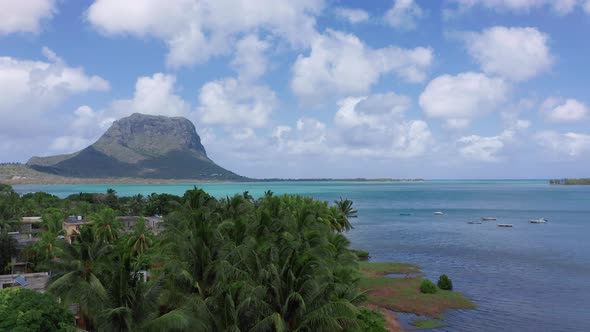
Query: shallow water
[{"x": 531, "y": 277}]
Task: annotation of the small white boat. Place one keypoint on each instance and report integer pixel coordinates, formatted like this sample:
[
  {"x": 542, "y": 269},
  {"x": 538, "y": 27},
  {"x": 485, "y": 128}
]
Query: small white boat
[
  {"x": 538, "y": 221},
  {"x": 474, "y": 222},
  {"x": 439, "y": 213},
  {"x": 488, "y": 218},
  {"x": 504, "y": 225}
]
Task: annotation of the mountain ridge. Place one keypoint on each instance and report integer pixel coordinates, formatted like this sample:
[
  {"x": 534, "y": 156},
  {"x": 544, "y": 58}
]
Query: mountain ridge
[{"x": 140, "y": 146}]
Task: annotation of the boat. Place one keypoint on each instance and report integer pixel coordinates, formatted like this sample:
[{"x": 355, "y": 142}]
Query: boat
[
  {"x": 439, "y": 213},
  {"x": 488, "y": 218},
  {"x": 405, "y": 214},
  {"x": 538, "y": 221},
  {"x": 474, "y": 222},
  {"x": 504, "y": 225}
]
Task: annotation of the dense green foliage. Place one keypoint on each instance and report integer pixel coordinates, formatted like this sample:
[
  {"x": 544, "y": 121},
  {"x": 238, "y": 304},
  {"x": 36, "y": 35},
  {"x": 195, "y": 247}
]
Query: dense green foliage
[
  {"x": 7, "y": 250},
  {"x": 277, "y": 263},
  {"x": 24, "y": 310},
  {"x": 427, "y": 287},
  {"x": 369, "y": 321},
  {"x": 444, "y": 282}
]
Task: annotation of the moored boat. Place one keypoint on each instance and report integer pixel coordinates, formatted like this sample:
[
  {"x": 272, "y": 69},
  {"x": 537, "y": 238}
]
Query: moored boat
[
  {"x": 439, "y": 213},
  {"x": 474, "y": 222},
  {"x": 504, "y": 225},
  {"x": 488, "y": 218},
  {"x": 538, "y": 221}
]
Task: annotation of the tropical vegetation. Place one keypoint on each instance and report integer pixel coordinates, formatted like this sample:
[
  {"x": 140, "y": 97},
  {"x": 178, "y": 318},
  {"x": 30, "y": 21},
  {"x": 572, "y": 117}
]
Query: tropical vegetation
[
  {"x": 24, "y": 310},
  {"x": 276, "y": 263}
]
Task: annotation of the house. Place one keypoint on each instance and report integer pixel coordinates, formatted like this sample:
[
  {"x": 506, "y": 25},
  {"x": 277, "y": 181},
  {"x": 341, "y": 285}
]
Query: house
[
  {"x": 153, "y": 223},
  {"x": 31, "y": 225},
  {"x": 33, "y": 281},
  {"x": 72, "y": 225}
]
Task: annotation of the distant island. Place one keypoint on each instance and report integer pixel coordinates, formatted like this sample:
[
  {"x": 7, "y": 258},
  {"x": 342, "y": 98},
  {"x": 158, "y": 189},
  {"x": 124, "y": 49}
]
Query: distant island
[{"x": 571, "y": 182}]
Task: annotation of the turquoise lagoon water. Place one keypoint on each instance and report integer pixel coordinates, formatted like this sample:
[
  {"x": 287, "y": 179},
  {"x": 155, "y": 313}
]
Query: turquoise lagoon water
[{"x": 531, "y": 277}]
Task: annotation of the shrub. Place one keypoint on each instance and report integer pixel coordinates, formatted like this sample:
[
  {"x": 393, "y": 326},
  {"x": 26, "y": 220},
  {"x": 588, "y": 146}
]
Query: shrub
[
  {"x": 444, "y": 282},
  {"x": 368, "y": 321},
  {"x": 427, "y": 287},
  {"x": 26, "y": 310}
]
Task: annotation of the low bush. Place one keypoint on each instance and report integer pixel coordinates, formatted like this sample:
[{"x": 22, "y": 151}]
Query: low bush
[
  {"x": 427, "y": 287},
  {"x": 444, "y": 282}
]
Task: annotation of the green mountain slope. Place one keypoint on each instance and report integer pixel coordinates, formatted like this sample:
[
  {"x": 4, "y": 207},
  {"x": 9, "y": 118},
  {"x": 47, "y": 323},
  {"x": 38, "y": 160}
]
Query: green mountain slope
[{"x": 140, "y": 146}]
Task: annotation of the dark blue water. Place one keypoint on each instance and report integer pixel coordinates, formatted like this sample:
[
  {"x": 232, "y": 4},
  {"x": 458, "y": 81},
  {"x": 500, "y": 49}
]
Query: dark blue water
[{"x": 531, "y": 277}]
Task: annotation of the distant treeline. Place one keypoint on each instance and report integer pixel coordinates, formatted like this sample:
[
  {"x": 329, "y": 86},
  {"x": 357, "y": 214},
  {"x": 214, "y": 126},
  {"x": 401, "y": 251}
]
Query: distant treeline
[
  {"x": 350, "y": 180},
  {"x": 570, "y": 181}
]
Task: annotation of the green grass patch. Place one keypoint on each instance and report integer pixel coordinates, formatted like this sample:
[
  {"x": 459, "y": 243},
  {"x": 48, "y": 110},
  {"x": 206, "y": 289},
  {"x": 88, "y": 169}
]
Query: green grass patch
[
  {"x": 380, "y": 269},
  {"x": 403, "y": 294},
  {"x": 425, "y": 324}
]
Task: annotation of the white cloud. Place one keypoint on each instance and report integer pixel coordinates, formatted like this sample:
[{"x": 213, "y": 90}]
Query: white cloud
[
  {"x": 587, "y": 7},
  {"x": 560, "y": 110},
  {"x": 308, "y": 137},
  {"x": 153, "y": 95},
  {"x": 32, "y": 88},
  {"x": 340, "y": 64},
  {"x": 482, "y": 148},
  {"x": 570, "y": 144},
  {"x": 237, "y": 103},
  {"x": 352, "y": 15},
  {"x": 197, "y": 30},
  {"x": 376, "y": 126},
  {"x": 24, "y": 16},
  {"x": 514, "y": 53},
  {"x": 250, "y": 61},
  {"x": 560, "y": 7},
  {"x": 460, "y": 98},
  {"x": 403, "y": 14}
]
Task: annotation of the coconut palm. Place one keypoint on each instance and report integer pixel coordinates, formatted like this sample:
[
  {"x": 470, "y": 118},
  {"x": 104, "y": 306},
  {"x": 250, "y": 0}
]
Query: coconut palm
[
  {"x": 78, "y": 282},
  {"x": 106, "y": 226}
]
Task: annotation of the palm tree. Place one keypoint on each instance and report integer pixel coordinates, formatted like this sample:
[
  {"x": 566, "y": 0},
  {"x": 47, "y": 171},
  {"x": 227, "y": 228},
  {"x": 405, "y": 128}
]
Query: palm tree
[
  {"x": 106, "y": 226},
  {"x": 79, "y": 282}
]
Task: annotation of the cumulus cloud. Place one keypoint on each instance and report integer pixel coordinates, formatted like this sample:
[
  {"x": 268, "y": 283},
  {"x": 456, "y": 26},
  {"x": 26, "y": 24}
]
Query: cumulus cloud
[
  {"x": 560, "y": 7},
  {"x": 570, "y": 144},
  {"x": 376, "y": 126},
  {"x": 31, "y": 88},
  {"x": 460, "y": 98},
  {"x": 250, "y": 61},
  {"x": 236, "y": 103},
  {"x": 308, "y": 137},
  {"x": 485, "y": 148},
  {"x": 352, "y": 15},
  {"x": 25, "y": 16},
  {"x": 197, "y": 30},
  {"x": 340, "y": 64},
  {"x": 517, "y": 54},
  {"x": 153, "y": 95},
  {"x": 560, "y": 110},
  {"x": 403, "y": 14}
]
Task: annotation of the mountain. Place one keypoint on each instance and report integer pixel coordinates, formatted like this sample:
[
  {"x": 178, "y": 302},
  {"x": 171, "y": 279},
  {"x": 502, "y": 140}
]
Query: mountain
[{"x": 140, "y": 146}]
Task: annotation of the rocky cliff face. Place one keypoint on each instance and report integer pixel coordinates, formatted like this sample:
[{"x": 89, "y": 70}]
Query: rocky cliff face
[{"x": 140, "y": 146}]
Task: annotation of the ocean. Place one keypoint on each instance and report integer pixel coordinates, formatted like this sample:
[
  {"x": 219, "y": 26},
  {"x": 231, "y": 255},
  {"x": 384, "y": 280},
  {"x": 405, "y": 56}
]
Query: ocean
[{"x": 531, "y": 277}]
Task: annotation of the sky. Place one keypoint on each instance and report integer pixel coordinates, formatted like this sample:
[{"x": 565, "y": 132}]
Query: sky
[{"x": 446, "y": 89}]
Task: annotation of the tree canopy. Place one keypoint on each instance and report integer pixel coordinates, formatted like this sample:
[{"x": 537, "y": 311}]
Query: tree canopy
[{"x": 24, "y": 310}]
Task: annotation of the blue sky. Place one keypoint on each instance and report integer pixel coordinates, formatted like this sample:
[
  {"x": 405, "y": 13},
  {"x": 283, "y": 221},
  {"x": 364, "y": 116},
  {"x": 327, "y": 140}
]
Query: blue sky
[{"x": 310, "y": 88}]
